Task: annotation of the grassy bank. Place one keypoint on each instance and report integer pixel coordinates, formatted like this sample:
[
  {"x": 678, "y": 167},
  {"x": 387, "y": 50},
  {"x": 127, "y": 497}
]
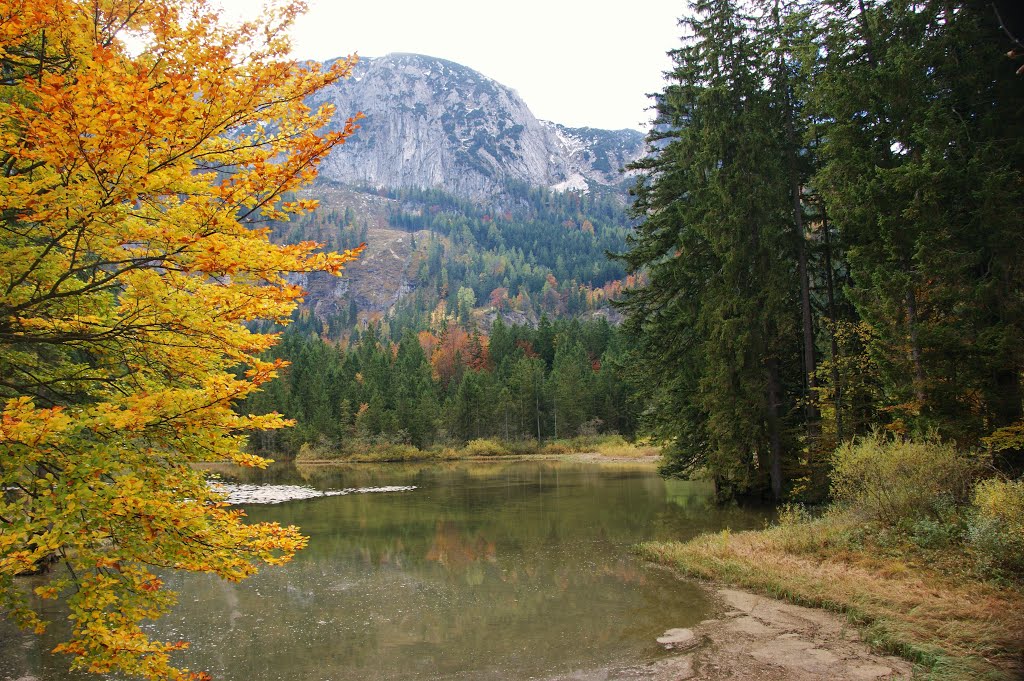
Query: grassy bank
[
  {"x": 604, "y": 446},
  {"x": 931, "y": 576},
  {"x": 955, "y": 624}
]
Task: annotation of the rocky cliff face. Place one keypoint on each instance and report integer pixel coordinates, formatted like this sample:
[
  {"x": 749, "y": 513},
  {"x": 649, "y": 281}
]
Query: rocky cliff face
[{"x": 431, "y": 123}]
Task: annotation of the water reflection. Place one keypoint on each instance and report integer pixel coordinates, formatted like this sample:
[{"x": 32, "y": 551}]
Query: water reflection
[
  {"x": 503, "y": 570},
  {"x": 455, "y": 551}
]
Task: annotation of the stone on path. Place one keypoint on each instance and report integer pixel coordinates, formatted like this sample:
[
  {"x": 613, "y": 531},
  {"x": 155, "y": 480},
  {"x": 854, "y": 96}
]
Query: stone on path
[{"x": 678, "y": 639}]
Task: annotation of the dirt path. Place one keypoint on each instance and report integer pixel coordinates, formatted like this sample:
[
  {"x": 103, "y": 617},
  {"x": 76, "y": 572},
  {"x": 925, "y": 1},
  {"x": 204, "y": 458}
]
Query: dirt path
[{"x": 762, "y": 639}]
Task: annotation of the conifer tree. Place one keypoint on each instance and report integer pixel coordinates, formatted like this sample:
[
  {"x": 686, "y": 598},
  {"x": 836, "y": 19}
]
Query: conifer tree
[{"x": 717, "y": 319}]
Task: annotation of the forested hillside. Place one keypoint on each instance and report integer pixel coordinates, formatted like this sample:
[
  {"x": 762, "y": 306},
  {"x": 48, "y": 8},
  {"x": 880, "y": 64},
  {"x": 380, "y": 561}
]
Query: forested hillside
[
  {"x": 832, "y": 234},
  {"x": 561, "y": 379},
  {"x": 527, "y": 252},
  {"x": 470, "y": 314}
]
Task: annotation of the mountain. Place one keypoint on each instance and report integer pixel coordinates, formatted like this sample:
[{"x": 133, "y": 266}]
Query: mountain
[
  {"x": 469, "y": 205},
  {"x": 434, "y": 124}
]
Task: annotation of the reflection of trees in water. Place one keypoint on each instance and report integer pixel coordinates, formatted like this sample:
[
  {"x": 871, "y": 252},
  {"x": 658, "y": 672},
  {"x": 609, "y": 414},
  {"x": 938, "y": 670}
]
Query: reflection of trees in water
[
  {"x": 275, "y": 474},
  {"x": 692, "y": 510},
  {"x": 329, "y": 475},
  {"x": 456, "y": 551},
  {"x": 466, "y": 516},
  {"x": 466, "y": 552}
]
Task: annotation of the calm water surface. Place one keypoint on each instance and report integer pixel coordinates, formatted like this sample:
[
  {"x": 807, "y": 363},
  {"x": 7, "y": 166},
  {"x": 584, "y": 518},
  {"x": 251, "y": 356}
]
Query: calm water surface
[{"x": 506, "y": 570}]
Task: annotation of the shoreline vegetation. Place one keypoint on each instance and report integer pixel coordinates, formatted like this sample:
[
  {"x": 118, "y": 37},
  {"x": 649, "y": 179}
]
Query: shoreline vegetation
[
  {"x": 598, "y": 447},
  {"x": 922, "y": 549}
]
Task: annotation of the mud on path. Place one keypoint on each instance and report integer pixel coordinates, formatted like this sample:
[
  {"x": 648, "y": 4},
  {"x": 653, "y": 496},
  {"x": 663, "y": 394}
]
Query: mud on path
[{"x": 762, "y": 639}]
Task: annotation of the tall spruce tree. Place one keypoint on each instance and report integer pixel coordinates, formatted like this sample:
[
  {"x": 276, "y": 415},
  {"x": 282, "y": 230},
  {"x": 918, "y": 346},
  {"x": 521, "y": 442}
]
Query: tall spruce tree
[
  {"x": 789, "y": 34},
  {"x": 716, "y": 324}
]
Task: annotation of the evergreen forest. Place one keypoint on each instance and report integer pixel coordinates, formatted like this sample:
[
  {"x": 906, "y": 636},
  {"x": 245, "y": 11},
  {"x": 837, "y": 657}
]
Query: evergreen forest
[
  {"x": 504, "y": 335},
  {"x": 823, "y": 241},
  {"x": 517, "y": 383},
  {"x": 831, "y": 217}
]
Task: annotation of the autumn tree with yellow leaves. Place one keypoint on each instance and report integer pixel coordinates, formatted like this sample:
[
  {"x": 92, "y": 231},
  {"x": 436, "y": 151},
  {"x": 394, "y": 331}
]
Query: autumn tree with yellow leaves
[{"x": 142, "y": 144}]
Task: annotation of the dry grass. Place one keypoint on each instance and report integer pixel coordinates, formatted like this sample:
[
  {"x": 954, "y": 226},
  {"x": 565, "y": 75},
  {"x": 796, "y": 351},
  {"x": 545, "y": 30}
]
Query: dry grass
[
  {"x": 610, "y": 446},
  {"x": 627, "y": 450},
  {"x": 956, "y": 625},
  {"x": 604, "y": 446}
]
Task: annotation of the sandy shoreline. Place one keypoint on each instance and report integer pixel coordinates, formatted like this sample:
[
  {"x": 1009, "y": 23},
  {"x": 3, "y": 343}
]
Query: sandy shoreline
[{"x": 762, "y": 639}]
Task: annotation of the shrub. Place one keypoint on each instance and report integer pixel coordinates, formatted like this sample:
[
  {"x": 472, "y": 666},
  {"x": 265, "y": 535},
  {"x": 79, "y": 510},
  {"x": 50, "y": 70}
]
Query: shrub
[
  {"x": 996, "y": 530},
  {"x": 616, "y": 445},
  {"x": 366, "y": 449},
  {"x": 321, "y": 450},
  {"x": 484, "y": 447},
  {"x": 398, "y": 452},
  {"x": 935, "y": 534},
  {"x": 945, "y": 528},
  {"x": 793, "y": 514},
  {"x": 900, "y": 481}
]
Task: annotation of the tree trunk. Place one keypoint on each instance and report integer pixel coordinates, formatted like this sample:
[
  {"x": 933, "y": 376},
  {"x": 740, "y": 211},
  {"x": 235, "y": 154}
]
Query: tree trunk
[
  {"x": 774, "y": 434},
  {"x": 536, "y": 394},
  {"x": 810, "y": 365},
  {"x": 554, "y": 405},
  {"x": 869, "y": 42},
  {"x": 1006, "y": 405},
  {"x": 915, "y": 347},
  {"x": 811, "y": 414}
]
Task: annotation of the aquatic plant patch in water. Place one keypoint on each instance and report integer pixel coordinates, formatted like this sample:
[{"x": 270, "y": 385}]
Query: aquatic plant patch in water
[{"x": 277, "y": 494}]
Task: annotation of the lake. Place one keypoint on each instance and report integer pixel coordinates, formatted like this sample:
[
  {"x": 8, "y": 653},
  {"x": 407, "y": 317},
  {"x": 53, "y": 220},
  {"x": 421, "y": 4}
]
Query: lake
[{"x": 495, "y": 570}]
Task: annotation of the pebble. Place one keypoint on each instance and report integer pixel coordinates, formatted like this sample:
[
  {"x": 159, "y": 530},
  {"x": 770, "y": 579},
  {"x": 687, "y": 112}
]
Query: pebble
[{"x": 678, "y": 639}]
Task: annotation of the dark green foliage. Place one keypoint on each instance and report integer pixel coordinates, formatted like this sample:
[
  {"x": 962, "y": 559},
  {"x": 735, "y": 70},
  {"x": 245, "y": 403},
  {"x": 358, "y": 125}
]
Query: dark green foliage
[
  {"x": 717, "y": 322},
  {"x": 529, "y": 249},
  {"x": 922, "y": 176},
  {"x": 379, "y": 392},
  {"x": 831, "y": 234},
  {"x": 542, "y": 244}
]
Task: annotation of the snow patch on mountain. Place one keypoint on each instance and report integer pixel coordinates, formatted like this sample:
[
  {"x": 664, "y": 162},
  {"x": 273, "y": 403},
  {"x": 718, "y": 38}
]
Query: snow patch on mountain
[{"x": 575, "y": 182}]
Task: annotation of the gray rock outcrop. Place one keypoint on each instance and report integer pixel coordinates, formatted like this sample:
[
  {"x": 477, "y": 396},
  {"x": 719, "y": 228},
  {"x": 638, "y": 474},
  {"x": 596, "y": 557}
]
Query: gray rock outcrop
[{"x": 432, "y": 123}]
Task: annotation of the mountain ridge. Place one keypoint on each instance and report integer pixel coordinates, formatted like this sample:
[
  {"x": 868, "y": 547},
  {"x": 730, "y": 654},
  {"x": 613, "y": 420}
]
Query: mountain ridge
[{"x": 430, "y": 123}]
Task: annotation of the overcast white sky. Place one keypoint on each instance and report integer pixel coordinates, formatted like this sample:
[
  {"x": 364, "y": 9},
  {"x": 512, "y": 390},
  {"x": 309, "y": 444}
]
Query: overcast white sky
[{"x": 579, "y": 63}]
